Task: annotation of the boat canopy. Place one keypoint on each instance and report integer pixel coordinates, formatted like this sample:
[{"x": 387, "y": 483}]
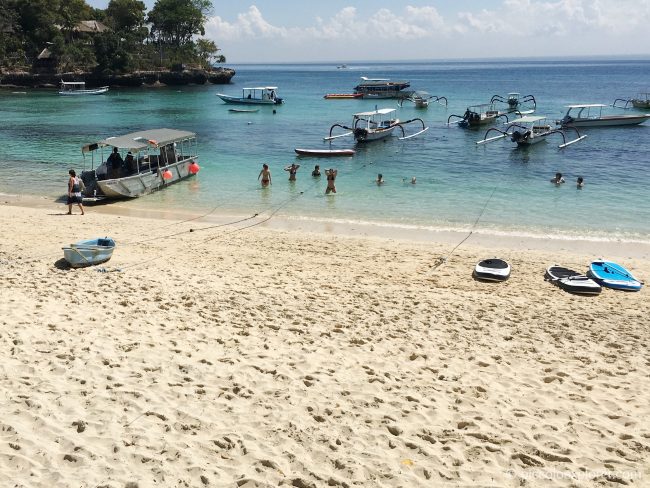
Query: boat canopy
[
  {"x": 262, "y": 88},
  {"x": 588, "y": 105},
  {"x": 527, "y": 119},
  {"x": 138, "y": 141},
  {"x": 73, "y": 83},
  {"x": 381, "y": 111}
]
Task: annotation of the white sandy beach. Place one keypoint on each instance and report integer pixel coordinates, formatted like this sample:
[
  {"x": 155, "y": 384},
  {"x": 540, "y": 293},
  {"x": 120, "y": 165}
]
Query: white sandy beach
[{"x": 277, "y": 356}]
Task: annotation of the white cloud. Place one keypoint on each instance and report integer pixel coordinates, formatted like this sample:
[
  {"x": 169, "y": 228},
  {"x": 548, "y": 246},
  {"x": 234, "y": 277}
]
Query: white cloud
[{"x": 512, "y": 28}]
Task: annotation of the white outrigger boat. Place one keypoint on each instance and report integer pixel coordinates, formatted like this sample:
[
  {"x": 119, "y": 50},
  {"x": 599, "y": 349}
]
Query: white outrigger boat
[
  {"x": 154, "y": 159},
  {"x": 529, "y": 130},
  {"x": 375, "y": 125},
  {"x": 591, "y": 115},
  {"x": 262, "y": 95},
  {"x": 421, "y": 99},
  {"x": 642, "y": 100},
  {"x": 76, "y": 88},
  {"x": 515, "y": 101}
]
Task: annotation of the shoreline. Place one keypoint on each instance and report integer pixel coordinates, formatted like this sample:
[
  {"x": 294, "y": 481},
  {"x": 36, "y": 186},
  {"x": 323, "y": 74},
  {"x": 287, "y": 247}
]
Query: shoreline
[{"x": 482, "y": 238}]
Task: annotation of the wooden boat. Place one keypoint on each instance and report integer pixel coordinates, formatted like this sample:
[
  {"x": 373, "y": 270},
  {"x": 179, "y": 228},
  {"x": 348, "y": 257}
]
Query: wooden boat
[
  {"x": 89, "y": 252},
  {"x": 421, "y": 99},
  {"x": 591, "y": 115},
  {"x": 243, "y": 110},
  {"x": 264, "y": 95},
  {"x": 325, "y": 153},
  {"x": 76, "y": 88},
  {"x": 381, "y": 88},
  {"x": 529, "y": 130},
  {"x": 342, "y": 96},
  {"x": 375, "y": 125},
  {"x": 153, "y": 159}
]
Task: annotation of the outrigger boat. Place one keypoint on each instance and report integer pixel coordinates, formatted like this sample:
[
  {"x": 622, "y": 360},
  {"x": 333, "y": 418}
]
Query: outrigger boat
[
  {"x": 642, "y": 100},
  {"x": 75, "y": 88},
  {"x": 264, "y": 95},
  {"x": 591, "y": 115},
  {"x": 421, "y": 99},
  {"x": 477, "y": 115},
  {"x": 514, "y": 101},
  {"x": 529, "y": 130},
  {"x": 159, "y": 157},
  {"x": 381, "y": 88},
  {"x": 375, "y": 125}
]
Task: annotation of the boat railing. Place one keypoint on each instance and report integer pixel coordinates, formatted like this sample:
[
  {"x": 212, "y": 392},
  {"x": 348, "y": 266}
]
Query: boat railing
[{"x": 626, "y": 100}]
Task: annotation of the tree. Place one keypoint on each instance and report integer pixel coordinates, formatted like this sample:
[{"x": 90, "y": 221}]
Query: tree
[
  {"x": 174, "y": 22},
  {"x": 125, "y": 15},
  {"x": 206, "y": 51}
]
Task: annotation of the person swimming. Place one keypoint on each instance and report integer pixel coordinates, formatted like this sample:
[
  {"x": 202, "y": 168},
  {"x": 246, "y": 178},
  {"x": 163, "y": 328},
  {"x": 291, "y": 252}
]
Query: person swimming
[
  {"x": 380, "y": 179},
  {"x": 558, "y": 180},
  {"x": 580, "y": 183}
]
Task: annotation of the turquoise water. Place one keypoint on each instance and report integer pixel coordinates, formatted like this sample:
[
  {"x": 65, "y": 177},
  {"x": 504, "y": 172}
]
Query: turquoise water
[{"x": 41, "y": 137}]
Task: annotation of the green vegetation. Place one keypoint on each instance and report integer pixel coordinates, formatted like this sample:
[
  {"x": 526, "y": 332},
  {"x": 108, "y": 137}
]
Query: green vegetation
[{"x": 68, "y": 35}]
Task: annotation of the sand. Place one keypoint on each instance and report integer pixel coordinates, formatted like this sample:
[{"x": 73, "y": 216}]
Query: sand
[{"x": 267, "y": 356}]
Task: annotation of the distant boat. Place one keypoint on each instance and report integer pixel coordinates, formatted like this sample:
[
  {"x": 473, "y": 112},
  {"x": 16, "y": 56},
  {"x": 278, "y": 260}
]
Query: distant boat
[
  {"x": 337, "y": 96},
  {"x": 89, "y": 252},
  {"x": 381, "y": 88},
  {"x": 642, "y": 100},
  {"x": 75, "y": 88},
  {"x": 514, "y": 101},
  {"x": 343, "y": 66},
  {"x": 421, "y": 99},
  {"x": 325, "y": 153},
  {"x": 591, "y": 115},
  {"x": 264, "y": 95}
]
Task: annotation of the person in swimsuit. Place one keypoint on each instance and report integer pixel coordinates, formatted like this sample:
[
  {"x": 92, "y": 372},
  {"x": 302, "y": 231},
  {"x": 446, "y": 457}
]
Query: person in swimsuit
[
  {"x": 558, "y": 180},
  {"x": 331, "y": 176},
  {"x": 580, "y": 183},
  {"x": 316, "y": 172},
  {"x": 293, "y": 169},
  {"x": 74, "y": 192},
  {"x": 380, "y": 179},
  {"x": 265, "y": 174}
]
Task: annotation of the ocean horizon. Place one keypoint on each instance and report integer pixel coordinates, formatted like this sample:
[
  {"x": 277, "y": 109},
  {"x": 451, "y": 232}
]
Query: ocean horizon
[{"x": 507, "y": 189}]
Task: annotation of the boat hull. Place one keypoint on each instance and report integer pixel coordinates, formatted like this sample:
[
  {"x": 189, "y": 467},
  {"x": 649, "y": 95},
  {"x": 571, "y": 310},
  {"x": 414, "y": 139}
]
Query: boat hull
[
  {"x": 324, "y": 153},
  {"x": 342, "y": 96},
  {"x": 94, "y": 91},
  {"x": 248, "y": 101},
  {"x": 369, "y": 135},
  {"x": 89, "y": 252},
  {"x": 143, "y": 183}
]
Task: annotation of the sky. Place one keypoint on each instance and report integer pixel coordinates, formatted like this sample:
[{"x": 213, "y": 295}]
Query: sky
[{"x": 379, "y": 30}]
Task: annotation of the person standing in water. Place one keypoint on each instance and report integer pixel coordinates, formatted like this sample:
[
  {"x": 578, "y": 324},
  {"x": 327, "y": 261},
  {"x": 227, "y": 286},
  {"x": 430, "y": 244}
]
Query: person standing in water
[
  {"x": 331, "y": 177},
  {"x": 558, "y": 180},
  {"x": 580, "y": 183},
  {"x": 292, "y": 169},
  {"x": 380, "y": 179},
  {"x": 74, "y": 192},
  {"x": 316, "y": 172},
  {"x": 265, "y": 175}
]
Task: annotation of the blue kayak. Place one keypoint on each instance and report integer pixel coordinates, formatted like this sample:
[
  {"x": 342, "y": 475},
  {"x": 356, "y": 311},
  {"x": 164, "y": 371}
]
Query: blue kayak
[{"x": 613, "y": 275}]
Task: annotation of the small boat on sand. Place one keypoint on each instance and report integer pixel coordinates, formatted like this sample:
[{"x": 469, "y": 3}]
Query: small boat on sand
[
  {"x": 613, "y": 275},
  {"x": 89, "y": 252},
  {"x": 342, "y": 96},
  {"x": 325, "y": 153}
]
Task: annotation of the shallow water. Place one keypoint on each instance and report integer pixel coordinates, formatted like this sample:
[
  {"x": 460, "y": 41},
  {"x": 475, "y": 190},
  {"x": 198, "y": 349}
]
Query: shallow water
[{"x": 457, "y": 182}]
